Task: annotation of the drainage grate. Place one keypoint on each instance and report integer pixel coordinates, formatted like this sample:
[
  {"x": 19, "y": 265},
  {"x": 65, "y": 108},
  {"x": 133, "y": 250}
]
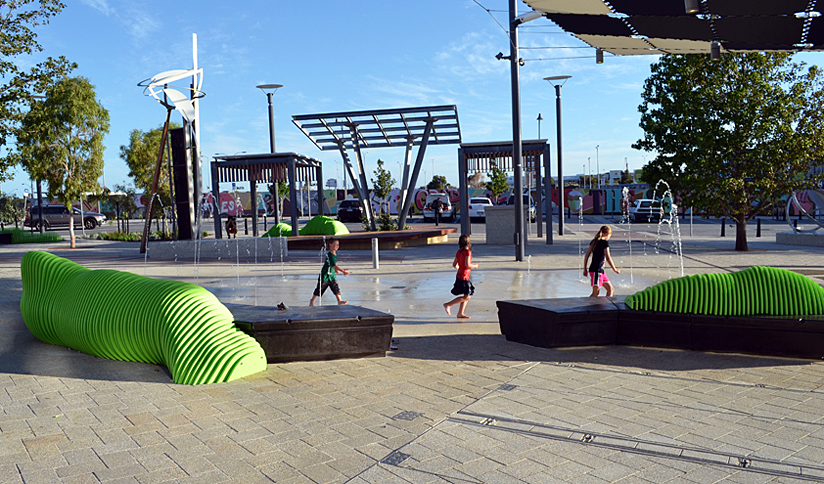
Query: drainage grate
[
  {"x": 407, "y": 415},
  {"x": 395, "y": 458},
  {"x": 507, "y": 387}
]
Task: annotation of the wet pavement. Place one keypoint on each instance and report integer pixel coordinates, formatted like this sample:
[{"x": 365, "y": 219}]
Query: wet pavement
[{"x": 454, "y": 403}]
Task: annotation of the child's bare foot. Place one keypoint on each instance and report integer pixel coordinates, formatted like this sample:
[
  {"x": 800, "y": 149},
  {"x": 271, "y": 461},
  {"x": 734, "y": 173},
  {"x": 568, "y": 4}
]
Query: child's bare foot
[
  {"x": 463, "y": 316},
  {"x": 341, "y": 303},
  {"x": 311, "y": 303},
  {"x": 446, "y": 307}
]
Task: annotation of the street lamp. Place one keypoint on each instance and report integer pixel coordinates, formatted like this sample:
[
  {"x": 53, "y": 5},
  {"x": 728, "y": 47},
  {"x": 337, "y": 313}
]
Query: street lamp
[
  {"x": 270, "y": 90},
  {"x": 539, "y": 125},
  {"x": 598, "y": 166},
  {"x": 589, "y": 176},
  {"x": 559, "y": 81}
]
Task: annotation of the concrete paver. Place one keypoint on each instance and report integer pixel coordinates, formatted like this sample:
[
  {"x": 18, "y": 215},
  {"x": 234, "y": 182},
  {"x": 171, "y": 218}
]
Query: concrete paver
[{"x": 455, "y": 402}]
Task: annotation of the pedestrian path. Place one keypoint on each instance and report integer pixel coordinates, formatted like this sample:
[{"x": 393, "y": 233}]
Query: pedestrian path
[{"x": 455, "y": 403}]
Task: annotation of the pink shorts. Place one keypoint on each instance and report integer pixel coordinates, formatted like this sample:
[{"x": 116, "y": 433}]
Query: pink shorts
[{"x": 598, "y": 279}]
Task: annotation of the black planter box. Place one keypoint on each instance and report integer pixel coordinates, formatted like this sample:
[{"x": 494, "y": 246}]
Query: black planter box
[
  {"x": 316, "y": 333},
  {"x": 553, "y": 323}
]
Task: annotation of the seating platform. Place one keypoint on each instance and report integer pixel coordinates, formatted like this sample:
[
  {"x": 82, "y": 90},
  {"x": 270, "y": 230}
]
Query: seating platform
[
  {"x": 317, "y": 332},
  {"x": 393, "y": 239},
  {"x": 586, "y": 321}
]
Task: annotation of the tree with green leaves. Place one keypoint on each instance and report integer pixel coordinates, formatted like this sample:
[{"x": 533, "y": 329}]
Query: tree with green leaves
[
  {"x": 140, "y": 156},
  {"x": 11, "y": 210},
  {"x": 497, "y": 182},
  {"x": 383, "y": 183},
  {"x": 626, "y": 177},
  {"x": 438, "y": 183},
  {"x": 733, "y": 136},
  {"x": 123, "y": 198},
  {"x": 283, "y": 192},
  {"x": 61, "y": 141},
  {"x": 19, "y": 84}
]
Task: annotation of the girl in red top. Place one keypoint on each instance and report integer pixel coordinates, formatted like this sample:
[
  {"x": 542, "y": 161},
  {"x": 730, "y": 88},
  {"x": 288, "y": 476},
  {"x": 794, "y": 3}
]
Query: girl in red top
[{"x": 463, "y": 287}]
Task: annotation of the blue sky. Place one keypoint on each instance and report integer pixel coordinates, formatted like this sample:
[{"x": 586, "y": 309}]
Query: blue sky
[{"x": 340, "y": 56}]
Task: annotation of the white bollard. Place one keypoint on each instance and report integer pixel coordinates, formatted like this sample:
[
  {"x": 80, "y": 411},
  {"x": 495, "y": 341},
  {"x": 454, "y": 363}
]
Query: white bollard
[{"x": 375, "y": 262}]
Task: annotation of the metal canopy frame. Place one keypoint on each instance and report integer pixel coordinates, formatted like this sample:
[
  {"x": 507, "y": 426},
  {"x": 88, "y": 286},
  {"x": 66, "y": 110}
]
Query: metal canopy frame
[
  {"x": 266, "y": 167},
  {"x": 478, "y": 157},
  {"x": 382, "y": 128},
  {"x": 650, "y": 27}
]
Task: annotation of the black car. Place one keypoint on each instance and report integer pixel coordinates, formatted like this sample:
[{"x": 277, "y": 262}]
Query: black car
[{"x": 350, "y": 211}]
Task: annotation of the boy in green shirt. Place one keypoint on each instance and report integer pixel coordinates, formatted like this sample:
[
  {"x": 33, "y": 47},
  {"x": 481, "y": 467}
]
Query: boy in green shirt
[{"x": 328, "y": 274}]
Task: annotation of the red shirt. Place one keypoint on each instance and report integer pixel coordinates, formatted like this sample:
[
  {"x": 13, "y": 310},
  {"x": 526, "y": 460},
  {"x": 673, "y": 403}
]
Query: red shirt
[{"x": 464, "y": 257}]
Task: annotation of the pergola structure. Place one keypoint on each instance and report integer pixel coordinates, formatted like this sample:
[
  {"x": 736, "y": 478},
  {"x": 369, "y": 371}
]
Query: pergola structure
[
  {"x": 382, "y": 128},
  {"x": 638, "y": 27},
  {"x": 479, "y": 157},
  {"x": 267, "y": 168}
]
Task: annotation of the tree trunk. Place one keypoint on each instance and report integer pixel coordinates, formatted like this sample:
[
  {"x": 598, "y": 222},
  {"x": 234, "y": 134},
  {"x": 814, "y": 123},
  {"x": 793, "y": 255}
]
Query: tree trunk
[
  {"x": 741, "y": 235},
  {"x": 71, "y": 228}
]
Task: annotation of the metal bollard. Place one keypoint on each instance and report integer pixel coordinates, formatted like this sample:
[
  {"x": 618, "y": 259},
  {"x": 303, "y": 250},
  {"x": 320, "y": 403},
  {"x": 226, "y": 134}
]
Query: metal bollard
[
  {"x": 264, "y": 223},
  {"x": 758, "y": 228},
  {"x": 245, "y": 226},
  {"x": 375, "y": 262},
  {"x": 724, "y": 227}
]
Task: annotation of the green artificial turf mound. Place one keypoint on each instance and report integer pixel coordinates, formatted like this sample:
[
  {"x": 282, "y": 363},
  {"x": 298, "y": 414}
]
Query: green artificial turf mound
[
  {"x": 127, "y": 317},
  {"x": 323, "y": 225},
  {"x": 320, "y": 225},
  {"x": 758, "y": 290},
  {"x": 279, "y": 230}
]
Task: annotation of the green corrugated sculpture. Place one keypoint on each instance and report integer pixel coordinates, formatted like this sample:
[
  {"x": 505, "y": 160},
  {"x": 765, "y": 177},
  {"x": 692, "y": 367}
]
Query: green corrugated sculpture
[
  {"x": 754, "y": 291},
  {"x": 123, "y": 316},
  {"x": 320, "y": 225}
]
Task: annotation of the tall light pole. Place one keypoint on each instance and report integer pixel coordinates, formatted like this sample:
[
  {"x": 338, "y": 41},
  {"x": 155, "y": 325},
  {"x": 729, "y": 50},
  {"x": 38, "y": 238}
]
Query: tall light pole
[
  {"x": 517, "y": 149},
  {"x": 589, "y": 162},
  {"x": 598, "y": 166},
  {"x": 539, "y": 125},
  {"x": 270, "y": 90},
  {"x": 559, "y": 81}
]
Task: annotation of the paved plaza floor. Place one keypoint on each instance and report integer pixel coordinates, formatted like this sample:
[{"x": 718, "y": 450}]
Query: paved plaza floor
[{"x": 453, "y": 403}]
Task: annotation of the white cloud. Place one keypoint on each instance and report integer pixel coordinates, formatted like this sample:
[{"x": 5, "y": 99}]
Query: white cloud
[{"x": 100, "y": 5}]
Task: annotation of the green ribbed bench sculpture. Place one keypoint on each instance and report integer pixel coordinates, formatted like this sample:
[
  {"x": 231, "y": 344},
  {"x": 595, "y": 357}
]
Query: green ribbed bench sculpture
[
  {"x": 123, "y": 316},
  {"x": 757, "y": 290}
]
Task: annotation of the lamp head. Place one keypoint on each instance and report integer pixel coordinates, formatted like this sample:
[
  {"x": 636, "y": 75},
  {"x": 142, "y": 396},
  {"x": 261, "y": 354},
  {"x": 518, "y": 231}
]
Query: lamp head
[
  {"x": 269, "y": 87},
  {"x": 557, "y": 80}
]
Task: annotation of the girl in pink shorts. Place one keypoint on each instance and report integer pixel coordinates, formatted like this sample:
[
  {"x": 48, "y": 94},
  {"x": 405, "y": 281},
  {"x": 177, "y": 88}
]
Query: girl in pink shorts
[{"x": 599, "y": 250}]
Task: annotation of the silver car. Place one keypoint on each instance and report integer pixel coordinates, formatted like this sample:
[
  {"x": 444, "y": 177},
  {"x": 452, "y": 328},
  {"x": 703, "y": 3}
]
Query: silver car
[{"x": 58, "y": 216}]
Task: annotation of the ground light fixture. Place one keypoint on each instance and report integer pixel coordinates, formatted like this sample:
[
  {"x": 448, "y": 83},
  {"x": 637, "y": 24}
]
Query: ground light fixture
[
  {"x": 715, "y": 51},
  {"x": 692, "y": 6}
]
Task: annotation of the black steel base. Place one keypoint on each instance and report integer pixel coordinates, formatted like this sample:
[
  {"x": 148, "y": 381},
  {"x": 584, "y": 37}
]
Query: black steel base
[
  {"x": 585, "y": 321},
  {"x": 316, "y": 333}
]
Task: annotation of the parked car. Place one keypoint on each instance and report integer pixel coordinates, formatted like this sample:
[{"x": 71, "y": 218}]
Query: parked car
[
  {"x": 645, "y": 210},
  {"x": 58, "y": 216},
  {"x": 528, "y": 202},
  {"x": 447, "y": 212},
  {"x": 350, "y": 211},
  {"x": 477, "y": 208}
]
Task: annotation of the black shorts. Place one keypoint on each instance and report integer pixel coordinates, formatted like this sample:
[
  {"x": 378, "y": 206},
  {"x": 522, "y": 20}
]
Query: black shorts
[
  {"x": 333, "y": 285},
  {"x": 463, "y": 288}
]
